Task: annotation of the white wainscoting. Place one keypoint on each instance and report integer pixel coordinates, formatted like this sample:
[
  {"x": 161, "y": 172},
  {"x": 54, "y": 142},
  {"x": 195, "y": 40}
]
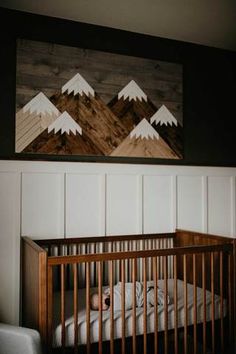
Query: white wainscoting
[{"x": 60, "y": 199}]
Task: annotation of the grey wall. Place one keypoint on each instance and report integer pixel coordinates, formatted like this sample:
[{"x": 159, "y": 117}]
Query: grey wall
[{"x": 208, "y": 22}]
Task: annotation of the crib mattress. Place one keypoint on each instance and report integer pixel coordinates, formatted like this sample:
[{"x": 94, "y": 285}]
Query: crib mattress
[{"x": 94, "y": 315}]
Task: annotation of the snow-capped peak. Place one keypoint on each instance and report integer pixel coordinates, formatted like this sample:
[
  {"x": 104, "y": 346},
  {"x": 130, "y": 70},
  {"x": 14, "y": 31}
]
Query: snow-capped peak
[
  {"x": 41, "y": 105},
  {"x": 163, "y": 116},
  {"x": 65, "y": 123},
  {"x": 133, "y": 92},
  {"x": 78, "y": 85},
  {"x": 144, "y": 130}
]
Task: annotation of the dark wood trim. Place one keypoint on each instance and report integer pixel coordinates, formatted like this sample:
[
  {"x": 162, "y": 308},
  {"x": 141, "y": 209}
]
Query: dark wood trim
[
  {"x": 138, "y": 254},
  {"x": 97, "y": 239},
  {"x": 218, "y": 238}
]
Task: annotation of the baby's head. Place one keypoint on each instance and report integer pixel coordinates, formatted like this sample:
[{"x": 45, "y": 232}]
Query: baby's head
[{"x": 94, "y": 302}]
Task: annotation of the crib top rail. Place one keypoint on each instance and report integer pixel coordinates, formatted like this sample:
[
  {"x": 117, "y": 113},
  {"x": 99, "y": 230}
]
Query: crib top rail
[
  {"x": 104, "y": 239},
  {"x": 176, "y": 251}
]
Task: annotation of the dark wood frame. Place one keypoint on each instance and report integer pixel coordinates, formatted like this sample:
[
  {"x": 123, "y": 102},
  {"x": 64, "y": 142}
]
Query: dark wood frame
[
  {"x": 207, "y": 252},
  {"x": 209, "y": 78}
]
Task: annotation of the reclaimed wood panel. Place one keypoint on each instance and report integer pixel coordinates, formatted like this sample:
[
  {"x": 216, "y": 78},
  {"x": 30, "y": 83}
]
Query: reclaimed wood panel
[{"x": 47, "y": 64}]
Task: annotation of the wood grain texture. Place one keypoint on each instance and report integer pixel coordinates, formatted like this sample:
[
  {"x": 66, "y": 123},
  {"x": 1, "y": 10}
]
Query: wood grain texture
[
  {"x": 47, "y": 66},
  {"x": 34, "y": 287},
  {"x": 181, "y": 254}
]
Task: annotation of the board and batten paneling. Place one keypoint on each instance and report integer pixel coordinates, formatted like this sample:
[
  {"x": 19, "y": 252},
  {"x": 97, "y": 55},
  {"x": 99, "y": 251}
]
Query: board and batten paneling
[
  {"x": 64, "y": 199},
  {"x": 191, "y": 208},
  {"x": 221, "y": 215},
  {"x": 123, "y": 204},
  {"x": 42, "y": 205},
  {"x": 9, "y": 246},
  {"x": 159, "y": 206},
  {"x": 85, "y": 205}
]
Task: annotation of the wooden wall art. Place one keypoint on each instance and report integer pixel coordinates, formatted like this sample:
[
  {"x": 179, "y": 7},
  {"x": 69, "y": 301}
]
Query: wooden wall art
[{"x": 75, "y": 101}]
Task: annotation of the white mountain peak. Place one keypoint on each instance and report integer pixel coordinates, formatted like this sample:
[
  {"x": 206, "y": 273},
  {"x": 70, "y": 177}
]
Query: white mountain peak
[
  {"x": 133, "y": 92},
  {"x": 163, "y": 116},
  {"x": 65, "y": 123},
  {"x": 144, "y": 130},
  {"x": 40, "y": 104},
  {"x": 78, "y": 85}
]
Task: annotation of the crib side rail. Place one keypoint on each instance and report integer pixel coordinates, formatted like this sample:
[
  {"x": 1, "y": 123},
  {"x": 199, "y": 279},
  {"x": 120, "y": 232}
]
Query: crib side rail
[
  {"x": 186, "y": 238},
  {"x": 34, "y": 286},
  {"x": 57, "y": 260},
  {"x": 155, "y": 259},
  {"x": 104, "y": 239}
]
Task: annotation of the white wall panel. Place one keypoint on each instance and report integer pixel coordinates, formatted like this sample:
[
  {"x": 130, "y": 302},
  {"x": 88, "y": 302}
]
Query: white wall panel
[
  {"x": 124, "y": 204},
  {"x": 9, "y": 247},
  {"x": 85, "y": 205},
  {"x": 158, "y": 204},
  {"x": 190, "y": 203},
  {"x": 42, "y": 205},
  {"x": 54, "y": 199},
  {"x": 220, "y": 211}
]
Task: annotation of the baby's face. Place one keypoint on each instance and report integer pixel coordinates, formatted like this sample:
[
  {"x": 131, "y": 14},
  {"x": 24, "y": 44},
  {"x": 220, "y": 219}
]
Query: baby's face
[{"x": 95, "y": 302}]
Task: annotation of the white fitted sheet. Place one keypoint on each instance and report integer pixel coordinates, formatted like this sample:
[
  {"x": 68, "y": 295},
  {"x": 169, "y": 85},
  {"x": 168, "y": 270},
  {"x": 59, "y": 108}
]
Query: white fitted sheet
[{"x": 94, "y": 315}]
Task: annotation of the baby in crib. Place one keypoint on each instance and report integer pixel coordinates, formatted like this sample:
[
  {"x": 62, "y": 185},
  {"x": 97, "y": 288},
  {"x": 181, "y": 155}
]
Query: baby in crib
[{"x": 117, "y": 296}]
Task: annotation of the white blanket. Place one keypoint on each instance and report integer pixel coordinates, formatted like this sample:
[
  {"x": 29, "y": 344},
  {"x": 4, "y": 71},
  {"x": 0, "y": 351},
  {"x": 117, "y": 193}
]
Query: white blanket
[
  {"x": 94, "y": 315},
  {"x": 117, "y": 295}
]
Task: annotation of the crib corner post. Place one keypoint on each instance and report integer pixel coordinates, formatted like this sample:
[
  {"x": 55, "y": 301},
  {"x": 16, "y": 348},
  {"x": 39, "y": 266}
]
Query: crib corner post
[{"x": 43, "y": 296}]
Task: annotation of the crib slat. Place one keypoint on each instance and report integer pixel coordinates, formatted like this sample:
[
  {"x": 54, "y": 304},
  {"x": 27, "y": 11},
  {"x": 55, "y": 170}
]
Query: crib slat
[
  {"x": 212, "y": 303},
  {"x": 123, "y": 304},
  {"x": 75, "y": 273},
  {"x": 144, "y": 305},
  {"x": 176, "y": 304},
  {"x": 221, "y": 303},
  {"x": 185, "y": 305},
  {"x": 88, "y": 274},
  {"x": 204, "y": 300},
  {"x": 155, "y": 273},
  {"x": 165, "y": 305},
  {"x": 63, "y": 305},
  {"x": 100, "y": 307},
  {"x": 194, "y": 306},
  {"x": 134, "y": 276},
  {"x": 110, "y": 270}
]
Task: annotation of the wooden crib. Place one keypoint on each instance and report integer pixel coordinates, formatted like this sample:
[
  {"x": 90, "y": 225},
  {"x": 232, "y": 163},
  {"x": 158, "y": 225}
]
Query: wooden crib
[{"x": 196, "y": 271}]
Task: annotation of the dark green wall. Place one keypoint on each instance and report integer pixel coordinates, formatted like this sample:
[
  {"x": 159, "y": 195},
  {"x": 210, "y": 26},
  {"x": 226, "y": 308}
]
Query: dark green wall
[{"x": 209, "y": 91}]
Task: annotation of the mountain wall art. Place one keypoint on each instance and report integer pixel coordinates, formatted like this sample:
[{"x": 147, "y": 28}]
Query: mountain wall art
[{"x": 75, "y": 101}]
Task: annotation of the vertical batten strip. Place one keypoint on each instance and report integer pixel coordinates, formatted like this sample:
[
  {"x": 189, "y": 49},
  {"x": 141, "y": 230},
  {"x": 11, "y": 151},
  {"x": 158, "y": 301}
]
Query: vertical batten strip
[
  {"x": 212, "y": 303},
  {"x": 123, "y": 304},
  {"x": 111, "y": 307},
  {"x": 88, "y": 307},
  {"x": 204, "y": 301},
  {"x": 194, "y": 306},
  {"x": 165, "y": 304},
  {"x": 176, "y": 304},
  {"x": 185, "y": 305},
  {"x": 63, "y": 305},
  {"x": 100, "y": 307},
  {"x": 75, "y": 273},
  {"x": 134, "y": 276},
  {"x": 221, "y": 303},
  {"x": 155, "y": 273},
  {"x": 144, "y": 306}
]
